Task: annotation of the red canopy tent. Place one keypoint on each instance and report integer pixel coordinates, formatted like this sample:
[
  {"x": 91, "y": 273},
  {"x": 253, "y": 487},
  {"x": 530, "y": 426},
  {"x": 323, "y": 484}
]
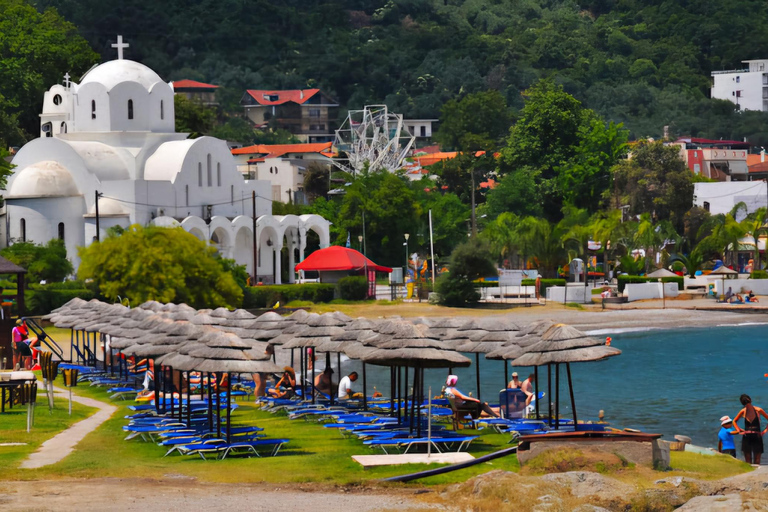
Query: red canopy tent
[
  {"x": 343, "y": 259},
  {"x": 338, "y": 258}
]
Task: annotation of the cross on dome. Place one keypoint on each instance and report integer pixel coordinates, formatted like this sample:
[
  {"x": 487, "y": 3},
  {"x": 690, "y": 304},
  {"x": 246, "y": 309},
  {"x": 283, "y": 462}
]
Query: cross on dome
[
  {"x": 120, "y": 45},
  {"x": 66, "y": 79}
]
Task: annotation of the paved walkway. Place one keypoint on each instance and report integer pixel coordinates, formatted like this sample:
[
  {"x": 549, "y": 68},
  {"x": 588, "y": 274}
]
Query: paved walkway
[{"x": 63, "y": 443}]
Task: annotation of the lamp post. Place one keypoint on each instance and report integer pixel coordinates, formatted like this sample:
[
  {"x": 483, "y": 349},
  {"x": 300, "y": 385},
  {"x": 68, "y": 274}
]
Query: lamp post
[
  {"x": 360, "y": 239},
  {"x": 407, "y": 236}
]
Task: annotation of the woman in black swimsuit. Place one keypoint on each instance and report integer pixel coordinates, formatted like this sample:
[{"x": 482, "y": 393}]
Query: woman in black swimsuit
[{"x": 752, "y": 442}]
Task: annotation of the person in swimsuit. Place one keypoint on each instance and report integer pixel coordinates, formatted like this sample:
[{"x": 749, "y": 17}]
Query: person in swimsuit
[
  {"x": 752, "y": 442},
  {"x": 465, "y": 403}
]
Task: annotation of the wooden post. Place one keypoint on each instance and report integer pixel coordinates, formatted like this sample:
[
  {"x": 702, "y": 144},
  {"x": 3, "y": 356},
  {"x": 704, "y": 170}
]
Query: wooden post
[
  {"x": 210, "y": 402},
  {"x": 557, "y": 396},
  {"x": 549, "y": 394},
  {"x": 218, "y": 407},
  {"x": 365, "y": 390},
  {"x": 229, "y": 403},
  {"x": 477, "y": 372},
  {"x": 573, "y": 402}
]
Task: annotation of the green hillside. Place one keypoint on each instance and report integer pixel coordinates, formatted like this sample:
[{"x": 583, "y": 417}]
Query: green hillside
[{"x": 645, "y": 63}]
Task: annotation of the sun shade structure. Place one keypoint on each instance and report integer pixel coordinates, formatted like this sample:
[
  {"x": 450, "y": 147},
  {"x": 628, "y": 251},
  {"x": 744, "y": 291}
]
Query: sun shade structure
[
  {"x": 563, "y": 344},
  {"x": 338, "y": 258}
]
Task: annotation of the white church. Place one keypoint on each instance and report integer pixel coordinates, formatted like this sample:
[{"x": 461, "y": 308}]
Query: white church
[{"x": 111, "y": 138}]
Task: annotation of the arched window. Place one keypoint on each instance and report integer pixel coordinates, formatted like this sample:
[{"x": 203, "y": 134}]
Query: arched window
[
  {"x": 130, "y": 109},
  {"x": 162, "y": 111},
  {"x": 209, "y": 172},
  {"x": 63, "y": 128},
  {"x": 61, "y": 231},
  {"x": 57, "y": 99},
  {"x": 93, "y": 109},
  {"x": 231, "y": 194},
  {"x": 200, "y": 174},
  {"x": 186, "y": 193},
  {"x": 218, "y": 174},
  {"x": 23, "y": 230}
]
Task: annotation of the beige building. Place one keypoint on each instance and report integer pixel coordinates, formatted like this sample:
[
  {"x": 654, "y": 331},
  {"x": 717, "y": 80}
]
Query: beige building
[{"x": 309, "y": 114}]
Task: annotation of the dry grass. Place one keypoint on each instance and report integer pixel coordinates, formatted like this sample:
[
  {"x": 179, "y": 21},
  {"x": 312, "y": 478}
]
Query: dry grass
[{"x": 566, "y": 459}]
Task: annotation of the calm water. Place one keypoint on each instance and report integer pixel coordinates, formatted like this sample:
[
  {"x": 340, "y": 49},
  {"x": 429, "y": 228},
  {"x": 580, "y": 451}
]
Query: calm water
[{"x": 670, "y": 382}]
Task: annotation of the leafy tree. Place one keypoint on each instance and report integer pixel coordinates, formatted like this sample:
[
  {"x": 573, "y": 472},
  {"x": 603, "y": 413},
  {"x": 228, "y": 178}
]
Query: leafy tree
[
  {"x": 654, "y": 180},
  {"x": 163, "y": 264},
  {"x": 235, "y": 129},
  {"x": 193, "y": 117},
  {"x": 390, "y": 212},
  {"x": 45, "y": 262},
  {"x": 569, "y": 148},
  {"x": 36, "y": 49},
  {"x": 476, "y": 122},
  {"x": 316, "y": 180},
  {"x": 516, "y": 192},
  {"x": 754, "y": 225},
  {"x": 470, "y": 261}
]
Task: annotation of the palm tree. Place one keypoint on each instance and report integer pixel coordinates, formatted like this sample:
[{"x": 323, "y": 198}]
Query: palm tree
[
  {"x": 501, "y": 235},
  {"x": 692, "y": 262},
  {"x": 726, "y": 232},
  {"x": 754, "y": 226},
  {"x": 544, "y": 242}
]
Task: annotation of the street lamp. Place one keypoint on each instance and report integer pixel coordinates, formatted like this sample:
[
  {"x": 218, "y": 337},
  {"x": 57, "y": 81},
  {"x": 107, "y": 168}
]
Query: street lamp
[
  {"x": 360, "y": 239},
  {"x": 407, "y": 236}
]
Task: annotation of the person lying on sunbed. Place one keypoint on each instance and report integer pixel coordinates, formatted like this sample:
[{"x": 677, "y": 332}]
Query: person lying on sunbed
[
  {"x": 464, "y": 403},
  {"x": 286, "y": 386},
  {"x": 750, "y": 297}
]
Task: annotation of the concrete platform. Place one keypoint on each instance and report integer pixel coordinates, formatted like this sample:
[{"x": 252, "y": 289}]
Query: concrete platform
[{"x": 368, "y": 461}]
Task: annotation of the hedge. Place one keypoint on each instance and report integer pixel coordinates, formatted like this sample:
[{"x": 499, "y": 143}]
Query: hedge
[
  {"x": 41, "y": 299},
  {"x": 759, "y": 274},
  {"x": 353, "y": 288},
  {"x": 544, "y": 284},
  {"x": 267, "y": 296},
  {"x": 625, "y": 279}
]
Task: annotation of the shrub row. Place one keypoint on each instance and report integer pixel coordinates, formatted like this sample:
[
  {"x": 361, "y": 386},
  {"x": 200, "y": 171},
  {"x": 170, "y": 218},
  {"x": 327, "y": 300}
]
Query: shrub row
[
  {"x": 544, "y": 284},
  {"x": 41, "y": 299},
  {"x": 267, "y": 296},
  {"x": 759, "y": 274},
  {"x": 624, "y": 280},
  {"x": 353, "y": 288}
]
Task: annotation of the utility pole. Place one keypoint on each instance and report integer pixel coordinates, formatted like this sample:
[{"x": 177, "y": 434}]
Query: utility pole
[
  {"x": 255, "y": 241},
  {"x": 98, "y": 236},
  {"x": 474, "y": 224}
]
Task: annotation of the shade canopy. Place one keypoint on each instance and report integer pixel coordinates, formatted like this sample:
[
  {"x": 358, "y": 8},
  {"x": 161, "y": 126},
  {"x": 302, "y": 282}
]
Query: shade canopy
[
  {"x": 662, "y": 272},
  {"x": 338, "y": 258}
]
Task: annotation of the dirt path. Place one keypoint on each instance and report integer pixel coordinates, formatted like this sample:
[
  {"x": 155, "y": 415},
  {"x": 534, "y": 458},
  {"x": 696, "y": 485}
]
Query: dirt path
[
  {"x": 63, "y": 443},
  {"x": 188, "y": 494}
]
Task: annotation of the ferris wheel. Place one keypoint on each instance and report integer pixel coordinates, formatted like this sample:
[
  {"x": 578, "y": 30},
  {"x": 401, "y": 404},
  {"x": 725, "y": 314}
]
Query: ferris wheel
[{"x": 374, "y": 136}]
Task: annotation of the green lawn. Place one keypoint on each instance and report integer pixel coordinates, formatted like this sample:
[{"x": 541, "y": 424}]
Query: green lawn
[
  {"x": 13, "y": 427},
  {"x": 315, "y": 454}
]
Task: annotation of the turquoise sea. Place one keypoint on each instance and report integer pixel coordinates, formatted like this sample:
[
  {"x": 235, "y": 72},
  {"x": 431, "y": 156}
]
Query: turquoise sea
[{"x": 667, "y": 381}]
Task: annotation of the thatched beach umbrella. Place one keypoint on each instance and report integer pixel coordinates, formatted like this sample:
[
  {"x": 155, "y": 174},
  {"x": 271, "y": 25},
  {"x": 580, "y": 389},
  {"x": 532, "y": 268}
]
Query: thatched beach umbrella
[{"x": 563, "y": 344}]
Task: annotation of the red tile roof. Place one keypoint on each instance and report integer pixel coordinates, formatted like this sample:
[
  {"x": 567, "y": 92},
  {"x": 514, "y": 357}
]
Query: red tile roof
[
  {"x": 262, "y": 151},
  {"x": 296, "y": 96},
  {"x": 192, "y": 84}
]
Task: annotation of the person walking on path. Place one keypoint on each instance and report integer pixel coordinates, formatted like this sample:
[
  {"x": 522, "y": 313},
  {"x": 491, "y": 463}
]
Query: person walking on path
[
  {"x": 752, "y": 442},
  {"x": 726, "y": 443}
]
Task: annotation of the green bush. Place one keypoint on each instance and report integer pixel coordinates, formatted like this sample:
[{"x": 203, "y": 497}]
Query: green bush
[
  {"x": 267, "y": 296},
  {"x": 759, "y": 274},
  {"x": 456, "y": 291},
  {"x": 353, "y": 288},
  {"x": 544, "y": 284},
  {"x": 624, "y": 280},
  {"x": 41, "y": 299}
]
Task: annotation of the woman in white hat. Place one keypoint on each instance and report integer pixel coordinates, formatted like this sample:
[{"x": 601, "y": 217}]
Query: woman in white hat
[
  {"x": 726, "y": 444},
  {"x": 464, "y": 403}
]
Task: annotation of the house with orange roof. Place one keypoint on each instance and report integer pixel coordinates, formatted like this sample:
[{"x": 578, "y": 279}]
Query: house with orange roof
[
  {"x": 283, "y": 165},
  {"x": 196, "y": 91},
  {"x": 309, "y": 114}
]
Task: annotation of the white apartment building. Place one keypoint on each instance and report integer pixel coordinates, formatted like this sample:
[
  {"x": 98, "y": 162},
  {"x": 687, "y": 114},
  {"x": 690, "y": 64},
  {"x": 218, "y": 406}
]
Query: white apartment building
[{"x": 747, "y": 88}]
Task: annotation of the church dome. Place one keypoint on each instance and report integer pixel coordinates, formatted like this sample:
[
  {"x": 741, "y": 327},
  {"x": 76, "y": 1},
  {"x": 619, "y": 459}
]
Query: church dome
[
  {"x": 43, "y": 179},
  {"x": 115, "y": 72},
  {"x": 107, "y": 207}
]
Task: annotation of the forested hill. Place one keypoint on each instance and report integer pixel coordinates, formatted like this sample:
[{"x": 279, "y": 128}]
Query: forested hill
[{"x": 642, "y": 62}]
